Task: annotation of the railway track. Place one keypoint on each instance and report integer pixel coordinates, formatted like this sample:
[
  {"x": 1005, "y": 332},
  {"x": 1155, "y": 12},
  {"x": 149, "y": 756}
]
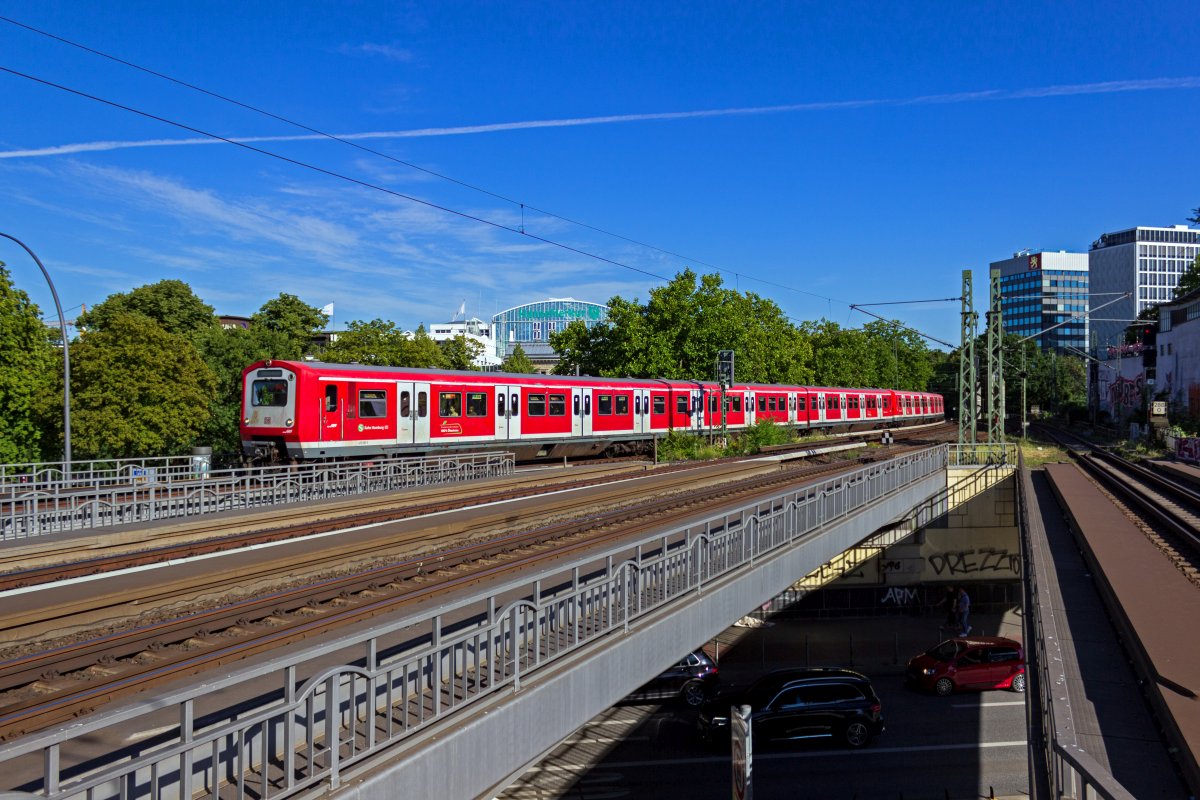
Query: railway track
[
  {"x": 41, "y": 688},
  {"x": 1166, "y": 510}
]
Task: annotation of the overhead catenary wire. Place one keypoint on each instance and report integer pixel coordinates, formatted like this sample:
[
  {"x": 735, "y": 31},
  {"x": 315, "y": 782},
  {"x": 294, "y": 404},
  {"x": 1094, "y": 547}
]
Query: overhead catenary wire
[
  {"x": 334, "y": 137},
  {"x": 329, "y": 172}
]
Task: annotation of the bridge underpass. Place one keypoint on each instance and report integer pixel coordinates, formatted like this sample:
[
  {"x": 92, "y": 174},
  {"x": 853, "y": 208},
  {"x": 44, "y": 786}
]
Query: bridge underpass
[{"x": 487, "y": 688}]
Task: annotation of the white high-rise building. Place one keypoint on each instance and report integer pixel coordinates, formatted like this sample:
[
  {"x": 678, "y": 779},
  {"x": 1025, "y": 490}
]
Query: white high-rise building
[{"x": 1146, "y": 263}]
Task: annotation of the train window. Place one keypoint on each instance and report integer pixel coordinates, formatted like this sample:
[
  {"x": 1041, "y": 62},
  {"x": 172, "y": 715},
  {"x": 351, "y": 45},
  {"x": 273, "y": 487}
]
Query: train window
[
  {"x": 637, "y": 404},
  {"x": 450, "y": 404},
  {"x": 660, "y": 404},
  {"x": 604, "y": 404},
  {"x": 516, "y": 407},
  {"x": 712, "y": 404},
  {"x": 500, "y": 404},
  {"x": 801, "y": 403},
  {"x": 762, "y": 403},
  {"x": 587, "y": 405},
  {"x": 405, "y": 405},
  {"x": 771, "y": 404},
  {"x": 330, "y": 399},
  {"x": 737, "y": 404},
  {"x": 372, "y": 403},
  {"x": 269, "y": 393},
  {"x": 681, "y": 405},
  {"x": 422, "y": 404},
  {"x": 537, "y": 405},
  {"x": 575, "y": 407},
  {"x": 622, "y": 404},
  {"x": 476, "y": 404},
  {"x": 558, "y": 405}
]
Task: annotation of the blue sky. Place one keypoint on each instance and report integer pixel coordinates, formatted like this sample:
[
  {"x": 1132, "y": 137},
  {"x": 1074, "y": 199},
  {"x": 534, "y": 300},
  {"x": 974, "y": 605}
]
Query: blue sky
[{"x": 819, "y": 154}]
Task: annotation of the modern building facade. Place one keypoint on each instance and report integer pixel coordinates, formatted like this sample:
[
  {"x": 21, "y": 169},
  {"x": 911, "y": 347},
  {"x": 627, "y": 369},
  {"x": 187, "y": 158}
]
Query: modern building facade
[
  {"x": 1144, "y": 262},
  {"x": 1044, "y": 295},
  {"x": 530, "y": 325},
  {"x": 474, "y": 329}
]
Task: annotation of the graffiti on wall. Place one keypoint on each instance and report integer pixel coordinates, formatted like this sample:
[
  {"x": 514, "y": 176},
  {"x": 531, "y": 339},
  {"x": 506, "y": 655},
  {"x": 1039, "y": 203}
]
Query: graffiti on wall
[
  {"x": 1187, "y": 449},
  {"x": 1126, "y": 392},
  {"x": 975, "y": 562},
  {"x": 900, "y": 596}
]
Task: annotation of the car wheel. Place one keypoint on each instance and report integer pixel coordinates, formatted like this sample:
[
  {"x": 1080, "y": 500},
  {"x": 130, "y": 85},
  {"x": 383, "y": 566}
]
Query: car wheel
[
  {"x": 1018, "y": 683},
  {"x": 944, "y": 686},
  {"x": 693, "y": 694},
  {"x": 856, "y": 734}
]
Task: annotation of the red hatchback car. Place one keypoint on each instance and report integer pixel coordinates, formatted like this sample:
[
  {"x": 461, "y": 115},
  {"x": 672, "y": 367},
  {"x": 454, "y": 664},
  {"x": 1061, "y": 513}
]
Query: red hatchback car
[{"x": 972, "y": 662}]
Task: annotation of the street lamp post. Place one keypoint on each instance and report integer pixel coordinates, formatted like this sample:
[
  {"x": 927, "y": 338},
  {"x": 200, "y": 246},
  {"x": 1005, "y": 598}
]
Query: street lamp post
[{"x": 66, "y": 345}]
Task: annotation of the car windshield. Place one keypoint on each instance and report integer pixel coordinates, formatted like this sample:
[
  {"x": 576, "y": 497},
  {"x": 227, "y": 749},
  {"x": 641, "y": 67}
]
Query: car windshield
[{"x": 946, "y": 651}]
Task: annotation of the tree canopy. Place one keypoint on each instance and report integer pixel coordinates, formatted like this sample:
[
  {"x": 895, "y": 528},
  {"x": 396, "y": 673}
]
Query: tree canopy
[
  {"x": 170, "y": 303},
  {"x": 377, "y": 342},
  {"x": 27, "y": 363},
  {"x": 137, "y": 390},
  {"x": 296, "y": 320},
  {"x": 517, "y": 361},
  {"x": 461, "y": 352}
]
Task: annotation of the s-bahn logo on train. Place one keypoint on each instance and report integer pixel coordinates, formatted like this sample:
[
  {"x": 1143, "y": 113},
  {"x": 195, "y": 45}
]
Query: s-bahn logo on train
[{"x": 452, "y": 428}]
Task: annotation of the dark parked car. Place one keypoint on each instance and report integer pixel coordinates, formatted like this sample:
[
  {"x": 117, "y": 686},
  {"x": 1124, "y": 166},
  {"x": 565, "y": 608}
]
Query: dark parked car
[
  {"x": 693, "y": 679},
  {"x": 801, "y": 704},
  {"x": 972, "y": 662}
]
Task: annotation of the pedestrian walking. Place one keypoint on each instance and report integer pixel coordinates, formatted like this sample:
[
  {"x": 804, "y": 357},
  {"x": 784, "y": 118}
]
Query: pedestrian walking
[{"x": 962, "y": 606}]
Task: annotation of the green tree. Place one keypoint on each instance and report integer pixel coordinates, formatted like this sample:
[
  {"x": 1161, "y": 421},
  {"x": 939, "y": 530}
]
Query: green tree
[
  {"x": 377, "y": 342},
  {"x": 227, "y": 352},
  {"x": 518, "y": 362},
  {"x": 296, "y": 320},
  {"x": 461, "y": 352},
  {"x": 1195, "y": 217},
  {"x": 584, "y": 349},
  {"x": 1190, "y": 280},
  {"x": 137, "y": 390},
  {"x": 27, "y": 363},
  {"x": 678, "y": 332},
  {"x": 170, "y": 303},
  {"x": 424, "y": 351}
]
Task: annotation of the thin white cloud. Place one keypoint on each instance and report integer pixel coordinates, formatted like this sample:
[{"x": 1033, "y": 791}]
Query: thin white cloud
[
  {"x": 1107, "y": 87},
  {"x": 387, "y": 51}
]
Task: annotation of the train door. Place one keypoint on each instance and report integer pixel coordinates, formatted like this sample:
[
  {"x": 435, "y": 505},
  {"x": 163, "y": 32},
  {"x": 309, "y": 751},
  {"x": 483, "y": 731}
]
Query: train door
[
  {"x": 697, "y": 410},
  {"x": 641, "y": 410},
  {"x": 577, "y": 408},
  {"x": 332, "y": 411},
  {"x": 820, "y": 415},
  {"x": 585, "y": 412},
  {"x": 412, "y": 413},
  {"x": 508, "y": 412}
]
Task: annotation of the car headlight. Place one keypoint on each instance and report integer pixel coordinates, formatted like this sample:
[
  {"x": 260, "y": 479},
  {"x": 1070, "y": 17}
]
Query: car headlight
[{"x": 928, "y": 671}]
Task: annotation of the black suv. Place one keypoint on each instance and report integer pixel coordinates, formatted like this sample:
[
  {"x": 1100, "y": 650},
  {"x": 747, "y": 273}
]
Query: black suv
[
  {"x": 799, "y": 704},
  {"x": 692, "y": 679}
]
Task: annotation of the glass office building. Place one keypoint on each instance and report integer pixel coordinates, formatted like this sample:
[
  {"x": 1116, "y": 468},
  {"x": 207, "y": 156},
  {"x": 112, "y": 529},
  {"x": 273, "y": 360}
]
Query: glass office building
[
  {"x": 530, "y": 326},
  {"x": 1044, "y": 295}
]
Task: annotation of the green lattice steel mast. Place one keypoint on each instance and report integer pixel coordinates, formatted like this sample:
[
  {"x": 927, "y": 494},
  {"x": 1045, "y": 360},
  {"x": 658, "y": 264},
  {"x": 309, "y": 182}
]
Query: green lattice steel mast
[
  {"x": 995, "y": 363},
  {"x": 968, "y": 408}
]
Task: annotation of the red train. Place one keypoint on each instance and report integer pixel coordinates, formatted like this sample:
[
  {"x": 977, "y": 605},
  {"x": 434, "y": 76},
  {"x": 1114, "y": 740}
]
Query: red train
[{"x": 312, "y": 410}]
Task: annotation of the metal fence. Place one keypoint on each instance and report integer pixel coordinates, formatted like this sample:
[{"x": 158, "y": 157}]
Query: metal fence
[
  {"x": 1070, "y": 770},
  {"x": 304, "y": 734},
  {"x": 159, "y": 489},
  {"x": 975, "y": 455}
]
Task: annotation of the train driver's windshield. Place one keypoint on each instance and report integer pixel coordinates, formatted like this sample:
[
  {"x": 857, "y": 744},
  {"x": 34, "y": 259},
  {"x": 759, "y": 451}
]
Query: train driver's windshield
[{"x": 273, "y": 392}]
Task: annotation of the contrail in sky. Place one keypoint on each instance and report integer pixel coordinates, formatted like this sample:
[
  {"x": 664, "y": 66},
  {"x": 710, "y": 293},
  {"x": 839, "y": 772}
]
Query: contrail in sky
[{"x": 1108, "y": 87}]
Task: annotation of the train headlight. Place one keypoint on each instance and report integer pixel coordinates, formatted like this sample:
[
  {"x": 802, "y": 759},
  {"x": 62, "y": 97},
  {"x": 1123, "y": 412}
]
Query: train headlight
[
  {"x": 245, "y": 420},
  {"x": 289, "y": 423}
]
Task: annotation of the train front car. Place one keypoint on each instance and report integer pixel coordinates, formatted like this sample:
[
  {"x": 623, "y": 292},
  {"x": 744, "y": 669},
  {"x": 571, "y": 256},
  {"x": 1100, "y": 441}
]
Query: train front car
[{"x": 270, "y": 399}]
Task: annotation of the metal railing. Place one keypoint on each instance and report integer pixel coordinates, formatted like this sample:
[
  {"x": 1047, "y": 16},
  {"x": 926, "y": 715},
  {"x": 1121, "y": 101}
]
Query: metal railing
[
  {"x": 974, "y": 455},
  {"x": 302, "y": 735},
  {"x": 159, "y": 489},
  {"x": 1071, "y": 771}
]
